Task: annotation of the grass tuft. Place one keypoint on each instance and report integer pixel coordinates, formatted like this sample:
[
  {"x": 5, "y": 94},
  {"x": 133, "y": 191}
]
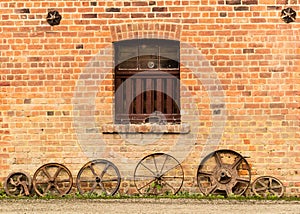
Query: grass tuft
[{"x": 179, "y": 195}]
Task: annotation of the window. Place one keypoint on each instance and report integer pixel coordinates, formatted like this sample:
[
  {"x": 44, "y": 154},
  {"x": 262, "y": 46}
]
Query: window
[{"x": 147, "y": 81}]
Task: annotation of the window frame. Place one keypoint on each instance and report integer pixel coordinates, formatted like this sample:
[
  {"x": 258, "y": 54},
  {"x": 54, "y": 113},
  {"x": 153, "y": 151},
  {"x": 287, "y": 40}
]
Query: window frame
[{"x": 156, "y": 90}]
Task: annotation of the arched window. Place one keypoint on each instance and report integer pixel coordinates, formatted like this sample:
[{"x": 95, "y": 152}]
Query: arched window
[{"x": 147, "y": 80}]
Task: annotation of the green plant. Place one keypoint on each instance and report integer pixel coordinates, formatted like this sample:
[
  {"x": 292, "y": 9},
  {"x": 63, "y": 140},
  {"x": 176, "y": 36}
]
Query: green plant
[
  {"x": 179, "y": 195},
  {"x": 3, "y": 193}
]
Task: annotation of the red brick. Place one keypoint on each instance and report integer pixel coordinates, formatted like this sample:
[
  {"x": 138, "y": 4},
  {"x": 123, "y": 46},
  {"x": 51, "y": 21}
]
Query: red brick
[{"x": 242, "y": 45}]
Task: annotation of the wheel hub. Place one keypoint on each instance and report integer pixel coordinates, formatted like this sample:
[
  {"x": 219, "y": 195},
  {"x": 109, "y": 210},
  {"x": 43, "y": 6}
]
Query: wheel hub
[
  {"x": 51, "y": 182},
  {"x": 224, "y": 176},
  {"x": 98, "y": 180},
  {"x": 158, "y": 177}
]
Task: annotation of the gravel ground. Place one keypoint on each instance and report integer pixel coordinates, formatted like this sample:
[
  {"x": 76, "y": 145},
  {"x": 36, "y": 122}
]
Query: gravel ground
[{"x": 133, "y": 206}]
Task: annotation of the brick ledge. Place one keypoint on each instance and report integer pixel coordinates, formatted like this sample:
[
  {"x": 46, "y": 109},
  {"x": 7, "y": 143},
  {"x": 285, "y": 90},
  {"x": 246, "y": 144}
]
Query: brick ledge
[{"x": 147, "y": 128}]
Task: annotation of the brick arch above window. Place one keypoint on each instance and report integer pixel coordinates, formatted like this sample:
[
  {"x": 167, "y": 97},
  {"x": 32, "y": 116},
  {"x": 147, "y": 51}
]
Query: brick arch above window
[{"x": 171, "y": 31}]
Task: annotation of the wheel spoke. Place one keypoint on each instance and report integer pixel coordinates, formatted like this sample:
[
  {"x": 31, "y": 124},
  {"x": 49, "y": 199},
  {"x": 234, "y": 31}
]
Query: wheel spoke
[
  {"x": 88, "y": 181},
  {"x": 237, "y": 162},
  {"x": 170, "y": 169},
  {"x": 104, "y": 170},
  {"x": 218, "y": 159},
  {"x": 228, "y": 190},
  {"x": 102, "y": 187},
  {"x": 94, "y": 187},
  {"x": 155, "y": 164},
  {"x": 47, "y": 189},
  {"x": 243, "y": 180},
  {"x": 109, "y": 180},
  {"x": 62, "y": 181},
  {"x": 57, "y": 172},
  {"x": 93, "y": 170},
  {"x": 172, "y": 177},
  {"x": 212, "y": 189},
  {"x": 173, "y": 189},
  {"x": 46, "y": 173},
  {"x": 148, "y": 168},
  {"x": 145, "y": 176},
  {"x": 58, "y": 189},
  {"x": 261, "y": 189},
  {"x": 270, "y": 182},
  {"x": 208, "y": 174},
  {"x": 163, "y": 166},
  {"x": 274, "y": 192},
  {"x": 146, "y": 184},
  {"x": 262, "y": 184},
  {"x": 276, "y": 187},
  {"x": 42, "y": 182}
]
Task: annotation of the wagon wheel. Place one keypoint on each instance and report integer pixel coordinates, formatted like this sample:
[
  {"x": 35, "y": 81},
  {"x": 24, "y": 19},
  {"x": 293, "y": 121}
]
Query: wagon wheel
[
  {"x": 52, "y": 179},
  {"x": 267, "y": 186},
  {"x": 100, "y": 177},
  {"x": 158, "y": 174},
  {"x": 223, "y": 172},
  {"x": 18, "y": 184}
]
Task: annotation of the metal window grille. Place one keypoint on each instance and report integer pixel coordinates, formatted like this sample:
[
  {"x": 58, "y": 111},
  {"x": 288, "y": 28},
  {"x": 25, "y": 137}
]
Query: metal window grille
[{"x": 147, "y": 80}]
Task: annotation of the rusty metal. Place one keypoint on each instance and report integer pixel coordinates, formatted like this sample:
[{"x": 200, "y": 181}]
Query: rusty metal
[
  {"x": 288, "y": 15},
  {"x": 223, "y": 172},
  {"x": 100, "y": 177},
  {"x": 158, "y": 174},
  {"x": 52, "y": 179},
  {"x": 265, "y": 186},
  {"x": 18, "y": 184},
  {"x": 53, "y": 18}
]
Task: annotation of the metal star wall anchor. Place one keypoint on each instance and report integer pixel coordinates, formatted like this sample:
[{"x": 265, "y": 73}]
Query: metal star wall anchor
[
  {"x": 288, "y": 15},
  {"x": 53, "y": 18}
]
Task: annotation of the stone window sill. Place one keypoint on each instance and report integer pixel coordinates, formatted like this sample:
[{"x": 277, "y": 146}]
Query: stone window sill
[{"x": 147, "y": 128}]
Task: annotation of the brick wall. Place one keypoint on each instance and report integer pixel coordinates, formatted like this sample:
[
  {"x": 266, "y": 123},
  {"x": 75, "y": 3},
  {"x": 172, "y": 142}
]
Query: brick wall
[{"x": 240, "y": 82}]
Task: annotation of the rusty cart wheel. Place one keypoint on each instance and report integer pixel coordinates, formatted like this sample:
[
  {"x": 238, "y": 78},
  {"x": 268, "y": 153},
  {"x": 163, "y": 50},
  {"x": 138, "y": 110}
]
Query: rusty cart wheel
[
  {"x": 52, "y": 179},
  {"x": 18, "y": 184},
  {"x": 158, "y": 174},
  {"x": 100, "y": 177},
  {"x": 265, "y": 186},
  {"x": 223, "y": 172}
]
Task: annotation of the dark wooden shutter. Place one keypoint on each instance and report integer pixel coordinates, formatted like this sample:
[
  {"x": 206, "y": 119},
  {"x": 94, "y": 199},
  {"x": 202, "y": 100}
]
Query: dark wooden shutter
[{"x": 147, "y": 83}]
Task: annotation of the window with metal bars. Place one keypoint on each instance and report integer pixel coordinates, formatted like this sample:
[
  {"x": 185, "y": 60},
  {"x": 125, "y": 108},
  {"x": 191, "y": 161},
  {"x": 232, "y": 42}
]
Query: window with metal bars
[{"x": 147, "y": 81}]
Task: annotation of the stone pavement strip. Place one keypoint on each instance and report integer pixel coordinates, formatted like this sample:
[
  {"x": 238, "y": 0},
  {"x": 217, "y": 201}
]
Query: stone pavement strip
[{"x": 132, "y": 206}]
